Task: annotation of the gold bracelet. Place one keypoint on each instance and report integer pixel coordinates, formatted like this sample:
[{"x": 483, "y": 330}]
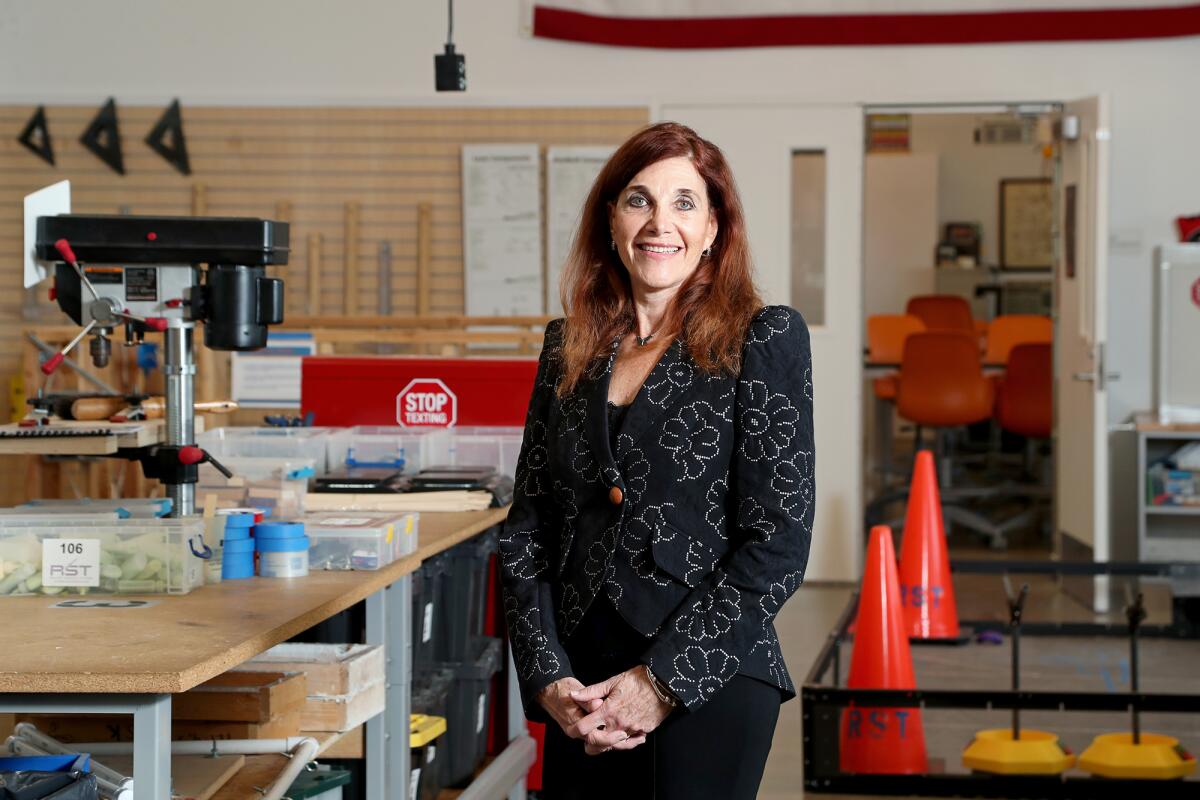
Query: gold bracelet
[{"x": 658, "y": 688}]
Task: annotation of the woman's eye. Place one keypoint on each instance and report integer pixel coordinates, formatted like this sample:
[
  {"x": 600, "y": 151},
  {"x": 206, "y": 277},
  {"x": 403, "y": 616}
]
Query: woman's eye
[
  {"x": 637, "y": 201},
  {"x": 683, "y": 204}
]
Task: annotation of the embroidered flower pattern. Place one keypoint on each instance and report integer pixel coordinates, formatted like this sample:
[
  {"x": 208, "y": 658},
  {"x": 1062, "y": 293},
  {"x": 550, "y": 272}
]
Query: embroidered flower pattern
[
  {"x": 768, "y": 423},
  {"x": 711, "y": 616},
  {"x": 692, "y": 439},
  {"x": 699, "y": 673}
]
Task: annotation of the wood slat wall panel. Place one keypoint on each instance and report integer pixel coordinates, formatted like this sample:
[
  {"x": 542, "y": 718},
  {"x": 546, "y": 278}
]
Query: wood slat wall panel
[{"x": 316, "y": 160}]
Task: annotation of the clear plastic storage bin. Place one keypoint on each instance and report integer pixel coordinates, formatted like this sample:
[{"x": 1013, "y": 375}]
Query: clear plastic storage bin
[
  {"x": 382, "y": 446},
  {"x": 285, "y": 443},
  {"x": 136, "y": 507},
  {"x": 476, "y": 447},
  {"x": 368, "y": 541},
  {"x": 101, "y": 557}
]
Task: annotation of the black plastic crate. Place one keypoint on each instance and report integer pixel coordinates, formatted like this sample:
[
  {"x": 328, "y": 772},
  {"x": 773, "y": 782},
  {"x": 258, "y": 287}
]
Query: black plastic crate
[
  {"x": 431, "y": 695},
  {"x": 468, "y": 709},
  {"x": 425, "y": 781},
  {"x": 464, "y": 596},
  {"x": 427, "y": 588}
]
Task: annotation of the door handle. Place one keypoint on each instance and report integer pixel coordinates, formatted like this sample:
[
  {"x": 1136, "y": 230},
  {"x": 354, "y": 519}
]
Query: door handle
[{"x": 1087, "y": 377}]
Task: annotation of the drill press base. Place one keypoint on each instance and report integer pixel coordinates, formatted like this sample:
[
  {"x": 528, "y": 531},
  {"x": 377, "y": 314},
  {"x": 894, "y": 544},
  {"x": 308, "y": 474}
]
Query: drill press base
[
  {"x": 1035, "y": 753},
  {"x": 1114, "y": 755}
]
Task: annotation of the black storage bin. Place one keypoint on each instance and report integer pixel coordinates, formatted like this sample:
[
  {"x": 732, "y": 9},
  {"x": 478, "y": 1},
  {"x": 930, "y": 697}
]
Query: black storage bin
[
  {"x": 424, "y": 742},
  {"x": 431, "y": 696},
  {"x": 464, "y": 596},
  {"x": 469, "y": 706},
  {"x": 427, "y": 591}
]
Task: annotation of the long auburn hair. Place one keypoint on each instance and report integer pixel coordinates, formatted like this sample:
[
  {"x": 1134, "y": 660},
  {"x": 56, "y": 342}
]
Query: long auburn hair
[{"x": 713, "y": 307}]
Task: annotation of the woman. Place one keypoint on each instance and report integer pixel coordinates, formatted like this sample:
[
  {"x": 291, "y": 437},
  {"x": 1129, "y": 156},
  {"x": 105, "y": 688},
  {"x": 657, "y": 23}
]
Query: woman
[{"x": 664, "y": 499}]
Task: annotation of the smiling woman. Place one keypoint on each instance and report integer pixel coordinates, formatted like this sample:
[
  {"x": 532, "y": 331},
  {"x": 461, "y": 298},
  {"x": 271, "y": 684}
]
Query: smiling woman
[{"x": 663, "y": 504}]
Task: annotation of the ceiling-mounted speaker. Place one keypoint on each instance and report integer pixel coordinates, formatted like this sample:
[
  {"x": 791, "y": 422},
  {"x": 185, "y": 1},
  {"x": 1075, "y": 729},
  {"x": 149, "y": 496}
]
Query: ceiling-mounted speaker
[
  {"x": 166, "y": 139},
  {"x": 36, "y": 136},
  {"x": 103, "y": 137}
]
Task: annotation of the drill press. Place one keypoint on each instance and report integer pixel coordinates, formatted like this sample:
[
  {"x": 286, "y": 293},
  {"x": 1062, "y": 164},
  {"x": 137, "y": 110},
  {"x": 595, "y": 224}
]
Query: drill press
[{"x": 165, "y": 274}]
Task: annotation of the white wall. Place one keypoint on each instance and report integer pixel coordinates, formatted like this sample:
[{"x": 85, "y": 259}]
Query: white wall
[
  {"x": 969, "y": 174},
  {"x": 381, "y": 51},
  {"x": 900, "y": 221}
]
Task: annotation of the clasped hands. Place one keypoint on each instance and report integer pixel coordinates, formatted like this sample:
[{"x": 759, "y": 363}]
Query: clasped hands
[{"x": 615, "y": 714}]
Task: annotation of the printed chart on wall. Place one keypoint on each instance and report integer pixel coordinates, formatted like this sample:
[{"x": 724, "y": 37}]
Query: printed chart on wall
[
  {"x": 570, "y": 172},
  {"x": 502, "y": 230}
]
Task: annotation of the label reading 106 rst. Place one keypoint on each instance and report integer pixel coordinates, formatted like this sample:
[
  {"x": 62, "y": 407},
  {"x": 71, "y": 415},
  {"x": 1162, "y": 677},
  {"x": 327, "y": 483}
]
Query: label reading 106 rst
[{"x": 70, "y": 562}]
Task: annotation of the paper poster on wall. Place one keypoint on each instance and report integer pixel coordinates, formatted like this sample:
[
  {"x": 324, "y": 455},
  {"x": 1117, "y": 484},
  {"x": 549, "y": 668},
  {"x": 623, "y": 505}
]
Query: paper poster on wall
[
  {"x": 570, "y": 172},
  {"x": 502, "y": 230},
  {"x": 270, "y": 377}
]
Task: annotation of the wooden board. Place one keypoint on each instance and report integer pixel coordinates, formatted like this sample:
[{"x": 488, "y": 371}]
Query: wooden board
[
  {"x": 324, "y": 713},
  {"x": 104, "y": 728},
  {"x": 329, "y": 669},
  {"x": 122, "y": 435},
  {"x": 192, "y": 777},
  {"x": 182, "y": 641},
  {"x": 242, "y": 697}
]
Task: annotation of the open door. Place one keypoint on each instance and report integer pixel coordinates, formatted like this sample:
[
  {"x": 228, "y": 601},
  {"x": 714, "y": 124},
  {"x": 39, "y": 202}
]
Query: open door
[
  {"x": 1081, "y": 376},
  {"x": 799, "y": 171}
]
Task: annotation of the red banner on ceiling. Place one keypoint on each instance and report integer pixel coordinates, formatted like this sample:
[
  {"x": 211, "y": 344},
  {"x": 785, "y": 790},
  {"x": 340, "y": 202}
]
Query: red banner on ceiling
[{"x": 690, "y": 24}]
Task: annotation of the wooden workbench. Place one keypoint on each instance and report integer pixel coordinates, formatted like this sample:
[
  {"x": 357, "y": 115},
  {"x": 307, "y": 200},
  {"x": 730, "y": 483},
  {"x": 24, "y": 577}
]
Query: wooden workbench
[
  {"x": 182, "y": 641},
  {"x": 122, "y": 436}
]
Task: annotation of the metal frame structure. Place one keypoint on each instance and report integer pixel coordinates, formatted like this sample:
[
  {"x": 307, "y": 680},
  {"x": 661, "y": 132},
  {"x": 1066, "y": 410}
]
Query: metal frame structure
[{"x": 823, "y": 697}]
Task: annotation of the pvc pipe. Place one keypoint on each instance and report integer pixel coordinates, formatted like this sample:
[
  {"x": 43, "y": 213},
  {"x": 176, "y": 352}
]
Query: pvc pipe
[
  {"x": 221, "y": 747},
  {"x": 300, "y": 750}
]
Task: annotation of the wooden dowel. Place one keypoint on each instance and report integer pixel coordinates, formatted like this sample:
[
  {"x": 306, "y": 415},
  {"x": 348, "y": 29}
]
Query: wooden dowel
[
  {"x": 199, "y": 199},
  {"x": 350, "y": 301},
  {"x": 314, "y": 274},
  {"x": 424, "y": 256}
]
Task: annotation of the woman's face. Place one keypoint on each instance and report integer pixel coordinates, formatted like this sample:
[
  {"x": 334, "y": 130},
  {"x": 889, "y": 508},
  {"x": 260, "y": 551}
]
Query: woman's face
[{"x": 661, "y": 222}]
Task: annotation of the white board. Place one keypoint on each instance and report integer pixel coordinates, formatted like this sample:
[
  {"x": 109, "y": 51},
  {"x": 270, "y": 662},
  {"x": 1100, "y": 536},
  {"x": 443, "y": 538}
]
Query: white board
[
  {"x": 570, "y": 173},
  {"x": 502, "y": 230},
  {"x": 48, "y": 202}
]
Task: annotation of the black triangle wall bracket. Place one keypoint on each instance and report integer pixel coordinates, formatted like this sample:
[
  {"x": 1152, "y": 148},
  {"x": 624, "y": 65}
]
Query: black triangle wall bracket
[
  {"x": 103, "y": 137},
  {"x": 36, "y": 136},
  {"x": 169, "y": 128}
]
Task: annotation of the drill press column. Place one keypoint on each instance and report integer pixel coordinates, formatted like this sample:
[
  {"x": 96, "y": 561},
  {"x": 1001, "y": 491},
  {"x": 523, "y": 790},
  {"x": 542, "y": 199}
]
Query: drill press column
[{"x": 179, "y": 364}]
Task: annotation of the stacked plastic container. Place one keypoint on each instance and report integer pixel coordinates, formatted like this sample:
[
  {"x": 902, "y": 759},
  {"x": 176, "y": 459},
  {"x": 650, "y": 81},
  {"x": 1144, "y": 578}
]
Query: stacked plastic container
[
  {"x": 405, "y": 449},
  {"x": 431, "y": 697},
  {"x": 60, "y": 554},
  {"x": 282, "y": 549},
  {"x": 271, "y": 466},
  {"x": 123, "y": 507},
  {"x": 476, "y": 447},
  {"x": 362, "y": 540},
  {"x": 428, "y": 582},
  {"x": 460, "y": 648}
]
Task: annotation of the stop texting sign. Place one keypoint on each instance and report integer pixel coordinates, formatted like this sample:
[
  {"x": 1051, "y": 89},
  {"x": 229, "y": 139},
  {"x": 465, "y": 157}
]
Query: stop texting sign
[{"x": 426, "y": 403}]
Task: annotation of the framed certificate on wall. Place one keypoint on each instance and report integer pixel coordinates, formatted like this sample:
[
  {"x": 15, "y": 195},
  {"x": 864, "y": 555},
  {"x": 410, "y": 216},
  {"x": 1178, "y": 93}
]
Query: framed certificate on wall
[{"x": 1026, "y": 223}]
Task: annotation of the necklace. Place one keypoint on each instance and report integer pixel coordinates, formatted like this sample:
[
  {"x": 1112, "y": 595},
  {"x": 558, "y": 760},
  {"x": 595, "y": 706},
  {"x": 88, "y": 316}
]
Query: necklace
[{"x": 643, "y": 340}]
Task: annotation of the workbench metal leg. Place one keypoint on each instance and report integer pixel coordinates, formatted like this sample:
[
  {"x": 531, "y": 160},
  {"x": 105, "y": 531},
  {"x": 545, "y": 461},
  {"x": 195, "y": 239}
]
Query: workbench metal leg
[
  {"x": 389, "y": 623},
  {"x": 375, "y": 753},
  {"x": 152, "y": 748}
]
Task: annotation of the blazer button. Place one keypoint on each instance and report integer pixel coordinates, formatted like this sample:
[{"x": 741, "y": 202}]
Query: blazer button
[{"x": 615, "y": 495}]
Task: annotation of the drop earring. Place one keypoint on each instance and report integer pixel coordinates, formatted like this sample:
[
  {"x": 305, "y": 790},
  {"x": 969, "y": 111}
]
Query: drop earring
[
  {"x": 706, "y": 252},
  {"x": 612, "y": 244}
]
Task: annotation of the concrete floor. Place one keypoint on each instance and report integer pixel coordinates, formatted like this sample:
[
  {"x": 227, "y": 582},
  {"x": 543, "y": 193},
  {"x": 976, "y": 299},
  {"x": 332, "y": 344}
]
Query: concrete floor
[{"x": 1098, "y": 665}]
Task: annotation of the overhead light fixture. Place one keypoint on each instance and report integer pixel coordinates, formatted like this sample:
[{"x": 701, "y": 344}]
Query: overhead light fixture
[{"x": 450, "y": 68}]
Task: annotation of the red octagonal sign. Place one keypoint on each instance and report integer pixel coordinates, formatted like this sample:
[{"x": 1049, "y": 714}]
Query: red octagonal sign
[{"x": 426, "y": 403}]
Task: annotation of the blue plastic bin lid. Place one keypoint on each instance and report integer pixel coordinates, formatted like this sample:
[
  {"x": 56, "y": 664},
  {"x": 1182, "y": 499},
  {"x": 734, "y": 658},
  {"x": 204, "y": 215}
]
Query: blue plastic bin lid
[
  {"x": 241, "y": 519},
  {"x": 67, "y": 762},
  {"x": 292, "y": 544},
  {"x": 302, "y": 472},
  {"x": 245, "y": 545},
  {"x": 279, "y": 530}
]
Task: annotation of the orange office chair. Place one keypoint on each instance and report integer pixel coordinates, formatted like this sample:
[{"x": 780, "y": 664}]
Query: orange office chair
[
  {"x": 1010, "y": 330},
  {"x": 886, "y": 335},
  {"x": 1025, "y": 402},
  {"x": 942, "y": 312},
  {"x": 942, "y": 386}
]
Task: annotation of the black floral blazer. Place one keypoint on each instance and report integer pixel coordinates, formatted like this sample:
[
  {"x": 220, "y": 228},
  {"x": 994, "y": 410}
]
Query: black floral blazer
[{"x": 697, "y": 528}]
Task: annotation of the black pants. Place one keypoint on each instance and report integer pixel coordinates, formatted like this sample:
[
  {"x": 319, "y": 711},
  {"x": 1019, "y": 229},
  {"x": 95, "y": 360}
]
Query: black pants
[{"x": 717, "y": 751}]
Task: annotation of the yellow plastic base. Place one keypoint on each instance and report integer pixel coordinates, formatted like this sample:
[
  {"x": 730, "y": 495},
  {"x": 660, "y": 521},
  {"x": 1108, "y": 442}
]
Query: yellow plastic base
[
  {"x": 1035, "y": 753},
  {"x": 1114, "y": 755}
]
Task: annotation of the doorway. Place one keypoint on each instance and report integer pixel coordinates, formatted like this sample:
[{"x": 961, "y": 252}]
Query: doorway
[{"x": 960, "y": 241}]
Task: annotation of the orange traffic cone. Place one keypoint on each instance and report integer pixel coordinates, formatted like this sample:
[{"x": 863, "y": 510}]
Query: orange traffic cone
[
  {"x": 881, "y": 740},
  {"x": 926, "y": 590}
]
